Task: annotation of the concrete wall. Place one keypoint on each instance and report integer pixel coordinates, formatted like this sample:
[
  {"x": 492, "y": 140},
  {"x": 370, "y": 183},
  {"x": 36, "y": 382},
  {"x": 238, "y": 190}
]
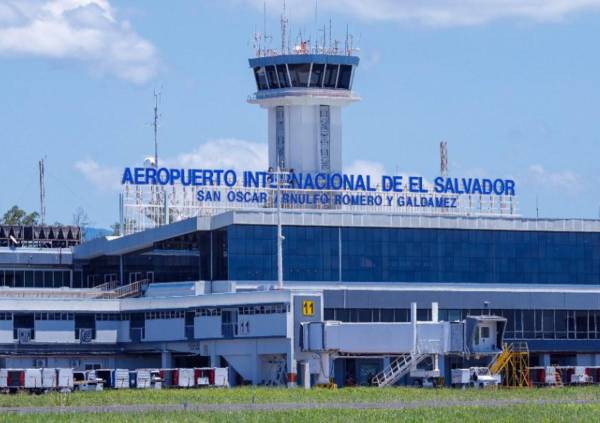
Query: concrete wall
[
  {"x": 77, "y": 362},
  {"x": 207, "y": 327},
  {"x": 123, "y": 333},
  {"x": 262, "y": 325},
  {"x": 107, "y": 331},
  {"x": 6, "y": 332},
  {"x": 55, "y": 331},
  {"x": 165, "y": 329}
]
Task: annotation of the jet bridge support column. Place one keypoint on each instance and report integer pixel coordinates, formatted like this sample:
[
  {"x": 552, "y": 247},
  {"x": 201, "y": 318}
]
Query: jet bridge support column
[
  {"x": 413, "y": 321},
  {"x": 292, "y": 368},
  {"x": 166, "y": 359},
  {"x": 434, "y": 318}
]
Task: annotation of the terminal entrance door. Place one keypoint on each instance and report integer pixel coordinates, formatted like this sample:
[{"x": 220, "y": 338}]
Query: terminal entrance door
[{"x": 229, "y": 323}]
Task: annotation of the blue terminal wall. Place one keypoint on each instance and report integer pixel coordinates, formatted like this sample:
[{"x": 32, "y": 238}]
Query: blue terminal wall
[{"x": 413, "y": 255}]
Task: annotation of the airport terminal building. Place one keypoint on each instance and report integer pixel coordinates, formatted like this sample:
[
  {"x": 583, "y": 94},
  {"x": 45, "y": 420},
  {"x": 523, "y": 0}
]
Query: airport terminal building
[{"x": 217, "y": 284}]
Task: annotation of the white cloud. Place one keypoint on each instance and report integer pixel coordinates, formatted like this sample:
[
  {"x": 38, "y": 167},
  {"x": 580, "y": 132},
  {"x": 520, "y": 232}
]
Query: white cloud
[
  {"x": 564, "y": 179},
  {"x": 215, "y": 154},
  {"x": 85, "y": 30},
  {"x": 435, "y": 12},
  {"x": 228, "y": 153},
  {"x": 365, "y": 167},
  {"x": 104, "y": 178}
]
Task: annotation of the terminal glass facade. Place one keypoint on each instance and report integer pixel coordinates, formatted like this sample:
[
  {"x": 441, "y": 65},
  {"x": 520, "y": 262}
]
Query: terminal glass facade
[
  {"x": 331, "y": 254},
  {"x": 415, "y": 255}
]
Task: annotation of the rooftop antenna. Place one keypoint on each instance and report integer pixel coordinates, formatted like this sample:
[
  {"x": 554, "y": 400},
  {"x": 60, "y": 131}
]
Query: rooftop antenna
[
  {"x": 264, "y": 26},
  {"x": 284, "y": 23},
  {"x": 330, "y": 34},
  {"x": 347, "y": 44},
  {"x": 42, "y": 192},
  {"x": 155, "y": 126},
  {"x": 537, "y": 208},
  {"x": 443, "y": 158},
  {"x": 317, "y": 26}
]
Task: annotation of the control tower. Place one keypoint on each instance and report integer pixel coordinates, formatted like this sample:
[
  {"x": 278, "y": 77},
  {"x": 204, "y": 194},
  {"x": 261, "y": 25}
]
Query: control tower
[{"x": 304, "y": 90}]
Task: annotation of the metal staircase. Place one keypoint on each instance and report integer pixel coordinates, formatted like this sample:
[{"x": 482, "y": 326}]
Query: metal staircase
[
  {"x": 512, "y": 364},
  {"x": 501, "y": 360},
  {"x": 397, "y": 368}
]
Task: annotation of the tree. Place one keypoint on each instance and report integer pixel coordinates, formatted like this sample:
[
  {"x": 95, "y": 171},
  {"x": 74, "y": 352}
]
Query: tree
[
  {"x": 81, "y": 219},
  {"x": 17, "y": 216}
]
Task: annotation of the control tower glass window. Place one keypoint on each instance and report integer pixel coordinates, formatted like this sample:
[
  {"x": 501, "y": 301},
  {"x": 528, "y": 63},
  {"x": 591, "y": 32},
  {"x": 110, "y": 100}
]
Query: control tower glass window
[
  {"x": 261, "y": 78},
  {"x": 345, "y": 77},
  {"x": 272, "y": 77},
  {"x": 316, "y": 76},
  {"x": 284, "y": 81},
  {"x": 331, "y": 74},
  {"x": 299, "y": 74}
]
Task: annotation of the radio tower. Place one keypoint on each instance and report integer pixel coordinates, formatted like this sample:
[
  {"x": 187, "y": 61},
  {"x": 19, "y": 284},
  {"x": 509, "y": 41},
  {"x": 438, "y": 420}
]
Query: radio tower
[
  {"x": 42, "y": 192},
  {"x": 443, "y": 158}
]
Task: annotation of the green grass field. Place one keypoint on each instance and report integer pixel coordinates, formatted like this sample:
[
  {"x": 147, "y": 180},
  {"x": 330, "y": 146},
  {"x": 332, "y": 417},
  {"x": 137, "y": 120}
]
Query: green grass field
[
  {"x": 274, "y": 395},
  {"x": 514, "y": 412}
]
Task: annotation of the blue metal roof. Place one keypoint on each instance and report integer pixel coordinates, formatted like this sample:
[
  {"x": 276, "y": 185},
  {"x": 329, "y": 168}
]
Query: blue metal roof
[{"x": 304, "y": 58}]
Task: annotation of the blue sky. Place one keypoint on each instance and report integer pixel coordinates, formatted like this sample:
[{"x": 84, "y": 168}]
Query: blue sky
[{"x": 512, "y": 86}]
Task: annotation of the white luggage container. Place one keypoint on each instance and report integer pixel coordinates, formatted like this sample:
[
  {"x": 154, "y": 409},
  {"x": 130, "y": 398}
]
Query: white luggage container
[
  {"x": 49, "y": 379},
  {"x": 580, "y": 376},
  {"x": 33, "y": 379},
  {"x": 185, "y": 378},
  {"x": 144, "y": 380},
  {"x": 550, "y": 376},
  {"x": 121, "y": 379},
  {"x": 3, "y": 379},
  {"x": 460, "y": 377},
  {"x": 222, "y": 376},
  {"x": 64, "y": 380}
]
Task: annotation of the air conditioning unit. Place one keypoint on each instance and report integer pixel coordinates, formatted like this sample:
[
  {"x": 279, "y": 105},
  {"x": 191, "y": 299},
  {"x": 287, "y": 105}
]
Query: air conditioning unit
[
  {"x": 39, "y": 363},
  {"x": 86, "y": 335},
  {"x": 75, "y": 363},
  {"x": 24, "y": 335}
]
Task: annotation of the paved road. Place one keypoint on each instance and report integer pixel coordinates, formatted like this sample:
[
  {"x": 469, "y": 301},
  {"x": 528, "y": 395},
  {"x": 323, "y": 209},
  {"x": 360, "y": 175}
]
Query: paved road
[{"x": 285, "y": 406}]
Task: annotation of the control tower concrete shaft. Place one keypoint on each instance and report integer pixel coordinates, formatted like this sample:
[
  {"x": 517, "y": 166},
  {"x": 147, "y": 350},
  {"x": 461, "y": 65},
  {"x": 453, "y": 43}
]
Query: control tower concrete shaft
[{"x": 304, "y": 95}]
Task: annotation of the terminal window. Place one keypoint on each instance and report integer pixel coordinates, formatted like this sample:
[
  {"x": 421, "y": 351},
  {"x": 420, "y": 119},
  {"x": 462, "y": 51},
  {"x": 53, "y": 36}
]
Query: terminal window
[{"x": 299, "y": 74}]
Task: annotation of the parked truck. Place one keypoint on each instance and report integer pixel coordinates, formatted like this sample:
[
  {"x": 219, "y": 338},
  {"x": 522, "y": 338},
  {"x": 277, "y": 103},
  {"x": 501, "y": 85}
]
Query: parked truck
[{"x": 479, "y": 377}]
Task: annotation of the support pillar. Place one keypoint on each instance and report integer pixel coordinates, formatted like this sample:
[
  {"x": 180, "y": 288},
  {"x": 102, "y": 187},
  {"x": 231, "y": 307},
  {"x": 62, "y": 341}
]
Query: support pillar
[
  {"x": 306, "y": 374},
  {"x": 413, "y": 321},
  {"x": 166, "y": 359},
  {"x": 292, "y": 368},
  {"x": 434, "y": 319}
]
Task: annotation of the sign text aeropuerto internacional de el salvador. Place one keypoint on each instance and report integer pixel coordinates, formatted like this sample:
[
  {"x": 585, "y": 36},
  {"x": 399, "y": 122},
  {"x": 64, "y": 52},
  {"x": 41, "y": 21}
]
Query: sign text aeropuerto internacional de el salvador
[{"x": 218, "y": 185}]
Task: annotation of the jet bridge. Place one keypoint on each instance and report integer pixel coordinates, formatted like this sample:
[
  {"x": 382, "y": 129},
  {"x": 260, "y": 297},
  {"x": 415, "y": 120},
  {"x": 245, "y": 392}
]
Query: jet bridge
[
  {"x": 476, "y": 335},
  {"x": 409, "y": 343}
]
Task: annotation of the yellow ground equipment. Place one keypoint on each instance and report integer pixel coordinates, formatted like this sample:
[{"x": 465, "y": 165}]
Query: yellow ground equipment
[{"x": 513, "y": 365}]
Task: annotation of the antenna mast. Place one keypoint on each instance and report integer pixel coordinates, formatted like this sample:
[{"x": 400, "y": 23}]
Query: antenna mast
[
  {"x": 155, "y": 126},
  {"x": 284, "y": 23},
  {"x": 443, "y": 158},
  {"x": 42, "y": 192}
]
